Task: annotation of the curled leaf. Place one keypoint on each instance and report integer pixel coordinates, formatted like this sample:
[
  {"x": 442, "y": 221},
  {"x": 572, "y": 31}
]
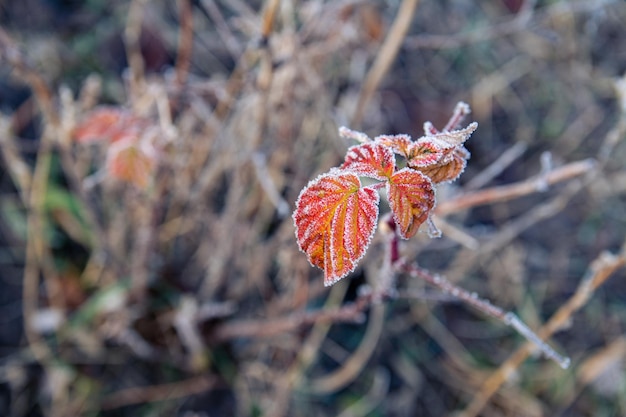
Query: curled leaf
[
  {"x": 411, "y": 196},
  {"x": 452, "y": 155},
  {"x": 371, "y": 160},
  {"x": 335, "y": 219},
  {"x": 400, "y": 144},
  {"x": 456, "y": 137},
  {"x": 449, "y": 168}
]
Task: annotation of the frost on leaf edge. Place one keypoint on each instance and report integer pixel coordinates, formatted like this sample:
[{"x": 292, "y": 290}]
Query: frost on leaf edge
[{"x": 333, "y": 173}]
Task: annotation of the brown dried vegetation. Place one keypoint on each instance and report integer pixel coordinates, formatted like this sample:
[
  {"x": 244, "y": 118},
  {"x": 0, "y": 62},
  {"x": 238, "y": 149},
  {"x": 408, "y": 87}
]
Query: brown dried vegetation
[{"x": 184, "y": 293}]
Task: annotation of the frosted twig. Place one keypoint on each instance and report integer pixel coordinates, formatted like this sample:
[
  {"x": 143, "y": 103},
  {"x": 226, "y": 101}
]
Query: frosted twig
[
  {"x": 471, "y": 298},
  {"x": 546, "y": 167},
  {"x": 360, "y": 137},
  {"x": 265, "y": 180},
  {"x": 600, "y": 270},
  {"x": 460, "y": 111},
  {"x": 521, "y": 327}
]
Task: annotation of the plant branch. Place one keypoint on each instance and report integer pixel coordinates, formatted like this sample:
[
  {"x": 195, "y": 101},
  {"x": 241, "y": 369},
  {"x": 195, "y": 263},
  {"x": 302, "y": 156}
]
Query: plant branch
[
  {"x": 136, "y": 395},
  {"x": 271, "y": 327},
  {"x": 515, "y": 190},
  {"x": 185, "y": 41},
  {"x": 132, "y": 42},
  {"x": 508, "y": 318},
  {"x": 600, "y": 270}
]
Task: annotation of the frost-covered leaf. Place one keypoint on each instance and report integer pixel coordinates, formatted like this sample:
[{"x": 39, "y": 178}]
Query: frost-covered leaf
[
  {"x": 335, "y": 219},
  {"x": 132, "y": 160},
  {"x": 400, "y": 144},
  {"x": 425, "y": 152},
  {"x": 411, "y": 197},
  {"x": 456, "y": 137},
  {"x": 421, "y": 153},
  {"x": 449, "y": 168},
  {"x": 371, "y": 160},
  {"x": 452, "y": 156}
]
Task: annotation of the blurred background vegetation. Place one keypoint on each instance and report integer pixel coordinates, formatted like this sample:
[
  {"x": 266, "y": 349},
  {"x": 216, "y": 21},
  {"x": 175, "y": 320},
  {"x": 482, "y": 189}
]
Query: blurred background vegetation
[{"x": 187, "y": 295}]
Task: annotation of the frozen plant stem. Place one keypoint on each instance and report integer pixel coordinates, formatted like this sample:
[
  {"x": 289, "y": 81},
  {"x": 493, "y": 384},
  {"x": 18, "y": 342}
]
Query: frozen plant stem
[{"x": 508, "y": 318}]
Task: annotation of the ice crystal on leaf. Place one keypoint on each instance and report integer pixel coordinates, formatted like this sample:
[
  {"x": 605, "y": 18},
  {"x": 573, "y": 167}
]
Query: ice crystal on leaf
[{"x": 335, "y": 215}]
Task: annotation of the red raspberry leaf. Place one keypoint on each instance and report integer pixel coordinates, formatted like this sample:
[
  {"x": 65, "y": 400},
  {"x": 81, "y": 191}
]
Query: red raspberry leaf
[
  {"x": 400, "y": 144},
  {"x": 370, "y": 160},
  {"x": 335, "y": 219},
  {"x": 411, "y": 197},
  {"x": 425, "y": 152},
  {"x": 449, "y": 168}
]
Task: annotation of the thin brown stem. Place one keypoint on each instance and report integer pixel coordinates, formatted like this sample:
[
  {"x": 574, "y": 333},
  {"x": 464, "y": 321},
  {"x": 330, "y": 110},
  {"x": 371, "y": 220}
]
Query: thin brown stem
[
  {"x": 185, "y": 41},
  {"x": 460, "y": 111},
  {"x": 156, "y": 393},
  {"x": 515, "y": 190},
  {"x": 270, "y": 327},
  {"x": 269, "y": 16},
  {"x": 132, "y": 42},
  {"x": 384, "y": 59}
]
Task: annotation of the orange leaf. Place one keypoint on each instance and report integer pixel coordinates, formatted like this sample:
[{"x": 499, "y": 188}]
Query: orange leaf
[
  {"x": 449, "y": 168},
  {"x": 421, "y": 153},
  {"x": 452, "y": 155},
  {"x": 100, "y": 124},
  {"x": 109, "y": 124},
  {"x": 371, "y": 160},
  {"x": 131, "y": 160},
  {"x": 335, "y": 219},
  {"x": 411, "y": 197},
  {"x": 400, "y": 144}
]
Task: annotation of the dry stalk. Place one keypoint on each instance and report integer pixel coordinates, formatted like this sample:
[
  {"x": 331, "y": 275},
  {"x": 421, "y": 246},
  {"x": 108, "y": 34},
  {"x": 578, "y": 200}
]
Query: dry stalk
[
  {"x": 38, "y": 256},
  {"x": 386, "y": 56},
  {"x": 138, "y": 395},
  {"x": 515, "y": 190},
  {"x": 132, "y": 42},
  {"x": 17, "y": 167},
  {"x": 357, "y": 361},
  {"x": 272, "y": 327},
  {"x": 185, "y": 42}
]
